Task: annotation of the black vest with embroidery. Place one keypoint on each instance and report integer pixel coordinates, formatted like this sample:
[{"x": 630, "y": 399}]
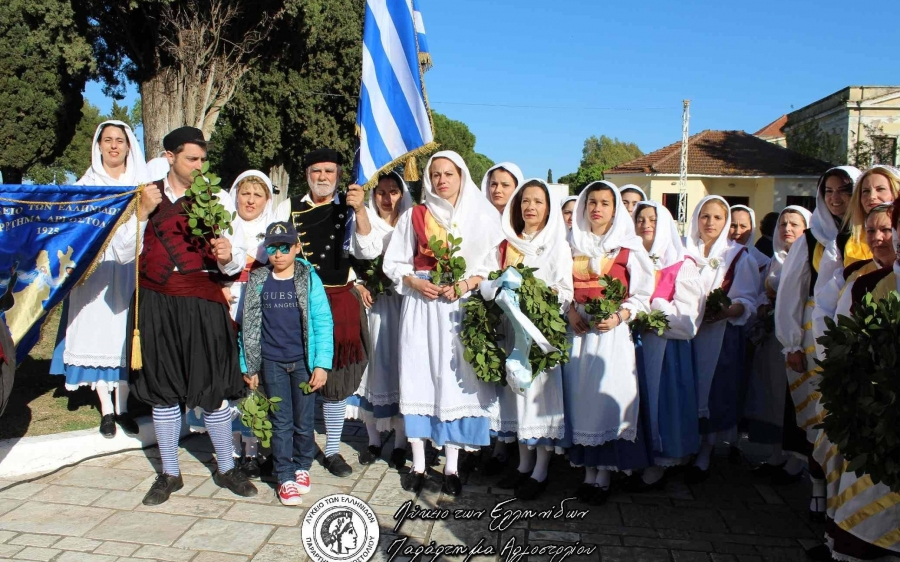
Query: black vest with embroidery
[{"x": 322, "y": 231}]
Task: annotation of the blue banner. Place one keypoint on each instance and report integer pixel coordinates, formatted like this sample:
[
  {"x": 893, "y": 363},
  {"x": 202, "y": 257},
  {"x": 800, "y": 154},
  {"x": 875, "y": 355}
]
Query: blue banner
[{"x": 49, "y": 238}]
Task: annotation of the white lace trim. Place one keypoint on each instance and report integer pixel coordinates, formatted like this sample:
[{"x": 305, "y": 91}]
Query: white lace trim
[
  {"x": 593, "y": 439},
  {"x": 385, "y": 399},
  {"x": 97, "y": 360},
  {"x": 467, "y": 448},
  {"x": 445, "y": 414},
  {"x": 93, "y": 384},
  {"x": 669, "y": 461}
]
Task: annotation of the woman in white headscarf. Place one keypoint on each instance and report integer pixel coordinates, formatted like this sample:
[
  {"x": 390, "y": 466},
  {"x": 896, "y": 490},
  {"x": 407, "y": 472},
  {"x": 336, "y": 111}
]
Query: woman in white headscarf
[
  {"x": 719, "y": 344},
  {"x": 631, "y": 196},
  {"x": 769, "y": 410},
  {"x": 499, "y": 182},
  {"x": 441, "y": 397},
  {"x": 96, "y": 323},
  {"x": 535, "y": 237},
  {"x": 568, "y": 208},
  {"x": 743, "y": 223},
  {"x": 377, "y": 401},
  {"x": 671, "y": 397},
  {"x": 601, "y": 379}
]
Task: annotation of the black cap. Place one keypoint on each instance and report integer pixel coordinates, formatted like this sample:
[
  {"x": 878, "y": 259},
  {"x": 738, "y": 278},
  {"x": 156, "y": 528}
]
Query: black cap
[
  {"x": 183, "y": 135},
  {"x": 322, "y": 155},
  {"x": 281, "y": 233}
]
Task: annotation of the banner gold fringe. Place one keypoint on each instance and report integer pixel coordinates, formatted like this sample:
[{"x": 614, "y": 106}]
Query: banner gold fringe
[
  {"x": 137, "y": 360},
  {"x": 411, "y": 169},
  {"x": 424, "y": 149}
]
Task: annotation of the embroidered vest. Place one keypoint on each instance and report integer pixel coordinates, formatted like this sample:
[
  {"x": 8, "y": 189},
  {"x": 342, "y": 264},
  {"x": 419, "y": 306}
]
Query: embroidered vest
[
  {"x": 323, "y": 232},
  {"x": 587, "y": 282},
  {"x": 509, "y": 255},
  {"x": 424, "y": 227}
]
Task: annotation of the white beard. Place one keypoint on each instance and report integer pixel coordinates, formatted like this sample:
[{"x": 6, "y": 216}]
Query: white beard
[{"x": 322, "y": 190}]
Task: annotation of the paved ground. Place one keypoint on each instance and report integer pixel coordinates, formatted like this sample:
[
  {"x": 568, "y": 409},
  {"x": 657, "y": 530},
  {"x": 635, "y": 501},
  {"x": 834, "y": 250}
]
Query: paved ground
[{"x": 93, "y": 513}]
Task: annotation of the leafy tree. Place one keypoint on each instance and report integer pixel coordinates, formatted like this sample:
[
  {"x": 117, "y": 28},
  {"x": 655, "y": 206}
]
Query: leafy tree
[
  {"x": 301, "y": 100},
  {"x": 76, "y": 158},
  {"x": 597, "y": 156},
  {"x": 456, "y": 136},
  {"x": 809, "y": 139},
  {"x": 45, "y": 61},
  {"x": 550, "y": 176}
]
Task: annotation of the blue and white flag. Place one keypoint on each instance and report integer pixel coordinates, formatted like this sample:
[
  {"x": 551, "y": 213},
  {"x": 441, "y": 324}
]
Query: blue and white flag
[
  {"x": 393, "y": 118},
  {"x": 424, "y": 53}
]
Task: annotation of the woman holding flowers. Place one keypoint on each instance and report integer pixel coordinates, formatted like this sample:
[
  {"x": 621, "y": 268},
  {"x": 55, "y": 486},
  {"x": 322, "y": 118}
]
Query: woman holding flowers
[
  {"x": 600, "y": 380},
  {"x": 726, "y": 268},
  {"x": 441, "y": 397}
]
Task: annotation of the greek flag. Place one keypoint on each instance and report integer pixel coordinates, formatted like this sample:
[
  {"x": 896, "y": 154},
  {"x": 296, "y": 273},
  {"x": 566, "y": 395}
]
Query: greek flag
[
  {"x": 393, "y": 117},
  {"x": 424, "y": 53}
]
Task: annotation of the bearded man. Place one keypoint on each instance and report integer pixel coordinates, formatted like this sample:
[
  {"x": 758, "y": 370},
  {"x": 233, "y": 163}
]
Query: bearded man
[{"x": 326, "y": 223}]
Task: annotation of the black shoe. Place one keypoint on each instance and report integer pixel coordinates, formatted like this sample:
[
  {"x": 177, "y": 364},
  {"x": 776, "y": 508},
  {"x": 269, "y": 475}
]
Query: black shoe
[
  {"x": 599, "y": 496},
  {"x": 782, "y": 478},
  {"x": 370, "y": 455},
  {"x": 128, "y": 425},
  {"x": 398, "y": 458},
  {"x": 267, "y": 469},
  {"x": 336, "y": 465},
  {"x": 162, "y": 488},
  {"x": 494, "y": 466},
  {"x": 584, "y": 492},
  {"x": 108, "y": 426},
  {"x": 512, "y": 479},
  {"x": 452, "y": 485},
  {"x": 250, "y": 468},
  {"x": 735, "y": 456},
  {"x": 236, "y": 481},
  {"x": 635, "y": 484},
  {"x": 413, "y": 481},
  {"x": 531, "y": 488},
  {"x": 766, "y": 470},
  {"x": 819, "y": 553},
  {"x": 695, "y": 475}
]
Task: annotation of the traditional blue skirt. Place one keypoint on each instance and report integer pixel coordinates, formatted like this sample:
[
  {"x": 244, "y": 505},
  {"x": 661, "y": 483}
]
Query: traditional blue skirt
[
  {"x": 468, "y": 431},
  {"x": 677, "y": 406},
  {"x": 620, "y": 454},
  {"x": 378, "y": 412},
  {"x": 725, "y": 407}
]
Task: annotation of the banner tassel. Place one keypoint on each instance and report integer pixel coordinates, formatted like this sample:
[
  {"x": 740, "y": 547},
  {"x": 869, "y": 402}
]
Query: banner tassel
[
  {"x": 411, "y": 169},
  {"x": 137, "y": 360}
]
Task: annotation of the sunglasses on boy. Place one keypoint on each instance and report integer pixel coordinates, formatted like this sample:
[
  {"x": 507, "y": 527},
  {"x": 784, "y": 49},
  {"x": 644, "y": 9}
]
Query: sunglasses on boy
[{"x": 283, "y": 248}]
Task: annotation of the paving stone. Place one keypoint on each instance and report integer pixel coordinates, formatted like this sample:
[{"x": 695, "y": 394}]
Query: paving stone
[
  {"x": 144, "y": 528},
  {"x": 742, "y": 539},
  {"x": 196, "y": 507},
  {"x": 769, "y": 495},
  {"x": 690, "y": 556},
  {"x": 676, "y": 518},
  {"x": 390, "y": 493},
  {"x": 281, "y": 553},
  {"x": 111, "y": 460},
  {"x": 288, "y": 536},
  {"x": 6, "y": 535},
  {"x": 209, "y": 488},
  {"x": 600, "y": 540},
  {"x": 101, "y": 478},
  {"x": 225, "y": 536},
  {"x": 190, "y": 482},
  {"x": 668, "y": 543},
  {"x": 10, "y": 550},
  {"x": 218, "y": 557},
  {"x": 120, "y": 500},
  {"x": 117, "y": 548},
  {"x": 77, "y": 543},
  {"x": 748, "y": 558},
  {"x": 8, "y": 505},
  {"x": 265, "y": 495},
  {"x": 553, "y": 536},
  {"x": 622, "y": 554},
  {"x": 776, "y": 554},
  {"x": 775, "y": 521},
  {"x": 271, "y": 514},
  {"x": 718, "y": 557},
  {"x": 28, "y": 539},
  {"x": 61, "y": 519},
  {"x": 164, "y": 553},
  {"x": 674, "y": 534},
  {"x": 22, "y": 491},
  {"x": 38, "y": 553},
  {"x": 70, "y": 495},
  {"x": 366, "y": 485},
  {"x": 85, "y": 557},
  {"x": 734, "y": 548}
]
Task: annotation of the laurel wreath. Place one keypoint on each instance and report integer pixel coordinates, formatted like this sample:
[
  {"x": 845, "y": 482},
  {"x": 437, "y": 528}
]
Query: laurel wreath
[{"x": 483, "y": 342}]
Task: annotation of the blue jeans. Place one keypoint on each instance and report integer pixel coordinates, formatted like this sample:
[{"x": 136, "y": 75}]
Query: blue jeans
[{"x": 293, "y": 425}]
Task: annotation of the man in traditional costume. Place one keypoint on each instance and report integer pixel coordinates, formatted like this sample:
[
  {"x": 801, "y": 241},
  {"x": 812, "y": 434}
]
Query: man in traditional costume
[
  {"x": 188, "y": 340},
  {"x": 326, "y": 223}
]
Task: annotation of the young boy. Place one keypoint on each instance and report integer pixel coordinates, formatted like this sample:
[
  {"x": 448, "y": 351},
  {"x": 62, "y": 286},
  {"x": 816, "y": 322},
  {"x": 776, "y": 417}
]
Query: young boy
[{"x": 288, "y": 334}]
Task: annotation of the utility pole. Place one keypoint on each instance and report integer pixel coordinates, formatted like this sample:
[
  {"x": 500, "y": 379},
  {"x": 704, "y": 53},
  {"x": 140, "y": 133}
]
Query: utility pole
[{"x": 682, "y": 181}]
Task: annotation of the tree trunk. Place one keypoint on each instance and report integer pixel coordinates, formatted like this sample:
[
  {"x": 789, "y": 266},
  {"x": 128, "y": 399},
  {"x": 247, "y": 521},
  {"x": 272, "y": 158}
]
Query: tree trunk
[
  {"x": 162, "y": 110},
  {"x": 281, "y": 178},
  {"x": 11, "y": 175}
]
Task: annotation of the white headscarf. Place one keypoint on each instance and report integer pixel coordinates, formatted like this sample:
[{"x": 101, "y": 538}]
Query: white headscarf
[
  {"x": 634, "y": 187},
  {"x": 567, "y": 199},
  {"x": 620, "y": 234},
  {"x": 379, "y": 225},
  {"x": 780, "y": 251},
  {"x": 507, "y": 166},
  {"x": 473, "y": 218},
  {"x": 667, "y": 247},
  {"x": 823, "y": 224},
  {"x": 157, "y": 168},
  {"x": 752, "y": 214},
  {"x": 694, "y": 244},
  {"x": 548, "y": 241},
  {"x": 135, "y": 168},
  {"x": 251, "y": 233}
]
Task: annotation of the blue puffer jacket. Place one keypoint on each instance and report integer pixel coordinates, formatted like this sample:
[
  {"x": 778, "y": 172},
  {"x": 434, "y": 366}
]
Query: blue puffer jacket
[{"x": 315, "y": 312}]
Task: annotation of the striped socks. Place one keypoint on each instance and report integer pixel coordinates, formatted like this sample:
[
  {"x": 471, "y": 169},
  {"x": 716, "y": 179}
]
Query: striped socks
[
  {"x": 333, "y": 412},
  {"x": 167, "y": 425},
  {"x": 218, "y": 425}
]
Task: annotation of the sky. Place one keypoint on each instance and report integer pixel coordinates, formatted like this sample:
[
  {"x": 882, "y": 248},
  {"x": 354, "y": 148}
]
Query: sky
[{"x": 622, "y": 69}]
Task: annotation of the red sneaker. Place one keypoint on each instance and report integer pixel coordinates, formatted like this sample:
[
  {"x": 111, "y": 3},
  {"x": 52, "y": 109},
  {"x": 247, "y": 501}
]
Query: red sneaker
[
  {"x": 303, "y": 482},
  {"x": 288, "y": 494}
]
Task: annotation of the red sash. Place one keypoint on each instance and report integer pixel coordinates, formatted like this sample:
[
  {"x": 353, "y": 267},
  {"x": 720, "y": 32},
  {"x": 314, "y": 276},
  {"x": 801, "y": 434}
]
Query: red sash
[
  {"x": 729, "y": 275},
  {"x": 590, "y": 288}
]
